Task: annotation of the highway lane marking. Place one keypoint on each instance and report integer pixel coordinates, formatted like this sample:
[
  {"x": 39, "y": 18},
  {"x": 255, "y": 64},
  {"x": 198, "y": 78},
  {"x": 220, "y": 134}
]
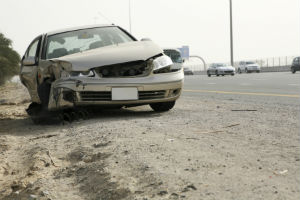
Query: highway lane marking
[
  {"x": 245, "y": 84},
  {"x": 293, "y": 84},
  {"x": 245, "y": 93}
]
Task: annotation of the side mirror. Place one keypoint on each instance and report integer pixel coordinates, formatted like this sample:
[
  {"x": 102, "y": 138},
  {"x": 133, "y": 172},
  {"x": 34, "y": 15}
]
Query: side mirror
[
  {"x": 29, "y": 61},
  {"x": 146, "y": 39}
]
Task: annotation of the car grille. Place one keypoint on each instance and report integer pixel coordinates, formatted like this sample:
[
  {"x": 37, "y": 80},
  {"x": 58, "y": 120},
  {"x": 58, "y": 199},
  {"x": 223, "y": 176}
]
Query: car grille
[
  {"x": 95, "y": 96},
  {"x": 146, "y": 95},
  {"x": 229, "y": 72},
  {"x": 106, "y": 96},
  {"x": 127, "y": 70}
]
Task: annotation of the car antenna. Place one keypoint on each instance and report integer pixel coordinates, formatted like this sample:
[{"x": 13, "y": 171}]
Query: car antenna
[{"x": 106, "y": 18}]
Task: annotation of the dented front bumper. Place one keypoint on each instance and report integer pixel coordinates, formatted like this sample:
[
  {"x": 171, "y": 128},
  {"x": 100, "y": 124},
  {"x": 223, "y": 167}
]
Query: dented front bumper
[{"x": 79, "y": 91}]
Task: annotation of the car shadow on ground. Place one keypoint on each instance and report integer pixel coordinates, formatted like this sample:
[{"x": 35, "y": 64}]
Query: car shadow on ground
[{"x": 25, "y": 126}]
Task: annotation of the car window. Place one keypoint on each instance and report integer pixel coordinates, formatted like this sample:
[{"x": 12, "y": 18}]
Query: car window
[
  {"x": 32, "y": 50},
  {"x": 220, "y": 65},
  {"x": 250, "y": 63},
  {"x": 82, "y": 40}
]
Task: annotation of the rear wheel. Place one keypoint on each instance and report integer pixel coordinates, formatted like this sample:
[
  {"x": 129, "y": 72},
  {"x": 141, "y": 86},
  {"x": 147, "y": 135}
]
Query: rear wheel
[{"x": 162, "y": 106}]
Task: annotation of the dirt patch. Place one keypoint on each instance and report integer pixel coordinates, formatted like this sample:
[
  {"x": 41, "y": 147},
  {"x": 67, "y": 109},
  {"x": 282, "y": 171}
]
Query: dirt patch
[
  {"x": 3, "y": 145},
  {"x": 199, "y": 150}
]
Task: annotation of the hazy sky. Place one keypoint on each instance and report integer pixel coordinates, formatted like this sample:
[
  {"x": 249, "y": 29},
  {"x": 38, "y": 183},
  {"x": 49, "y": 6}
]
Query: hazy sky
[{"x": 262, "y": 28}]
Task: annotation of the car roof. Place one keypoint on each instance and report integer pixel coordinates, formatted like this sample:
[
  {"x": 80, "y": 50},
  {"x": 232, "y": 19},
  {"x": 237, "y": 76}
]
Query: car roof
[{"x": 79, "y": 28}]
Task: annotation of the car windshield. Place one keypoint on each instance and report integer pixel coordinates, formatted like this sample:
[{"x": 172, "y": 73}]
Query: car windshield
[
  {"x": 250, "y": 63},
  {"x": 174, "y": 55},
  {"x": 67, "y": 43},
  {"x": 221, "y": 65}
]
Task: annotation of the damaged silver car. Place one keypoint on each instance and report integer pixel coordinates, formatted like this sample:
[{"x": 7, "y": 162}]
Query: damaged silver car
[{"x": 98, "y": 65}]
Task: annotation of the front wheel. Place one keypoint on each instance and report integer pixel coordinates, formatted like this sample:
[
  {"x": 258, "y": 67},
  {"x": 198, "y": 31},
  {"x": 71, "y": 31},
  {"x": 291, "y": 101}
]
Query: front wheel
[
  {"x": 162, "y": 106},
  {"x": 44, "y": 93}
]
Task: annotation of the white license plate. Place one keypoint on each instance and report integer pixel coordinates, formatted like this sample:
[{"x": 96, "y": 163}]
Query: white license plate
[{"x": 119, "y": 94}]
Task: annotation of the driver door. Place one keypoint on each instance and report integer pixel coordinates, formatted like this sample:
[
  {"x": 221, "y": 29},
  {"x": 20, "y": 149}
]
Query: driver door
[{"x": 28, "y": 73}]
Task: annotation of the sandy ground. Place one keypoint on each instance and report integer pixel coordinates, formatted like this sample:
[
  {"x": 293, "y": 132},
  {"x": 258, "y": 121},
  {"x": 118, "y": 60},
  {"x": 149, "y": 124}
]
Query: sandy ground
[{"x": 199, "y": 150}]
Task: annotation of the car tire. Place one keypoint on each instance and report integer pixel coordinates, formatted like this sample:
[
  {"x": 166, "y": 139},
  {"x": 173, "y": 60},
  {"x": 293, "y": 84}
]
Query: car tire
[
  {"x": 162, "y": 106},
  {"x": 216, "y": 72},
  {"x": 208, "y": 74},
  {"x": 232, "y": 74},
  {"x": 293, "y": 70},
  {"x": 44, "y": 93},
  {"x": 246, "y": 70},
  {"x": 257, "y": 71}
]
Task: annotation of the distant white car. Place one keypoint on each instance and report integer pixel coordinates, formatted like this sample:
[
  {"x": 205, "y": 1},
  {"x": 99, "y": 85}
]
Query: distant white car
[
  {"x": 248, "y": 67},
  {"x": 220, "y": 69},
  {"x": 188, "y": 71}
]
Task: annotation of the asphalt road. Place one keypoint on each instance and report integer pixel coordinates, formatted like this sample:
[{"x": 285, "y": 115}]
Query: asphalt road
[{"x": 271, "y": 88}]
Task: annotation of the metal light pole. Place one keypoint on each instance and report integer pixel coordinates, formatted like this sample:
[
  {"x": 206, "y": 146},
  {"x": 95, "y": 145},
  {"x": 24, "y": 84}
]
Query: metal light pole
[
  {"x": 231, "y": 36},
  {"x": 130, "y": 16}
]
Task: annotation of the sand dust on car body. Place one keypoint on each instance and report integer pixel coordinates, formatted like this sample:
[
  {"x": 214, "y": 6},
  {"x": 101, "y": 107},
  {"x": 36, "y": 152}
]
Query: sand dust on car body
[{"x": 199, "y": 150}]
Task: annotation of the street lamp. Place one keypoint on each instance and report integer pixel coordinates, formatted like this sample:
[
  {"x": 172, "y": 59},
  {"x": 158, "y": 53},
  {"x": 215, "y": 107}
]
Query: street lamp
[
  {"x": 231, "y": 36},
  {"x": 129, "y": 16}
]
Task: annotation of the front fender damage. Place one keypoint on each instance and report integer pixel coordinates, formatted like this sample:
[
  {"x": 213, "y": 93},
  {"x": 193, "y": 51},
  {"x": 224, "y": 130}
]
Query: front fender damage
[{"x": 62, "y": 97}]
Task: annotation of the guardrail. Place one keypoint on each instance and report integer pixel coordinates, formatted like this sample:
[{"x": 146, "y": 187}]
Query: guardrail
[{"x": 274, "y": 64}]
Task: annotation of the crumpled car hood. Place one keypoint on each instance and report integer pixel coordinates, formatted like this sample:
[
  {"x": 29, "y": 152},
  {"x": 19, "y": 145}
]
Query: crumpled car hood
[{"x": 110, "y": 55}]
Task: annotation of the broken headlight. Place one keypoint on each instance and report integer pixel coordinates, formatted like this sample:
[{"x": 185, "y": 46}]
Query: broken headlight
[
  {"x": 162, "y": 64},
  {"x": 66, "y": 74},
  {"x": 89, "y": 73}
]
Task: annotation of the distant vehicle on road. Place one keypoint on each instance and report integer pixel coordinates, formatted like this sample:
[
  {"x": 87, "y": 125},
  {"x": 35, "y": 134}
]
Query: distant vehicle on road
[
  {"x": 220, "y": 69},
  {"x": 296, "y": 65},
  {"x": 248, "y": 67},
  {"x": 188, "y": 71}
]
